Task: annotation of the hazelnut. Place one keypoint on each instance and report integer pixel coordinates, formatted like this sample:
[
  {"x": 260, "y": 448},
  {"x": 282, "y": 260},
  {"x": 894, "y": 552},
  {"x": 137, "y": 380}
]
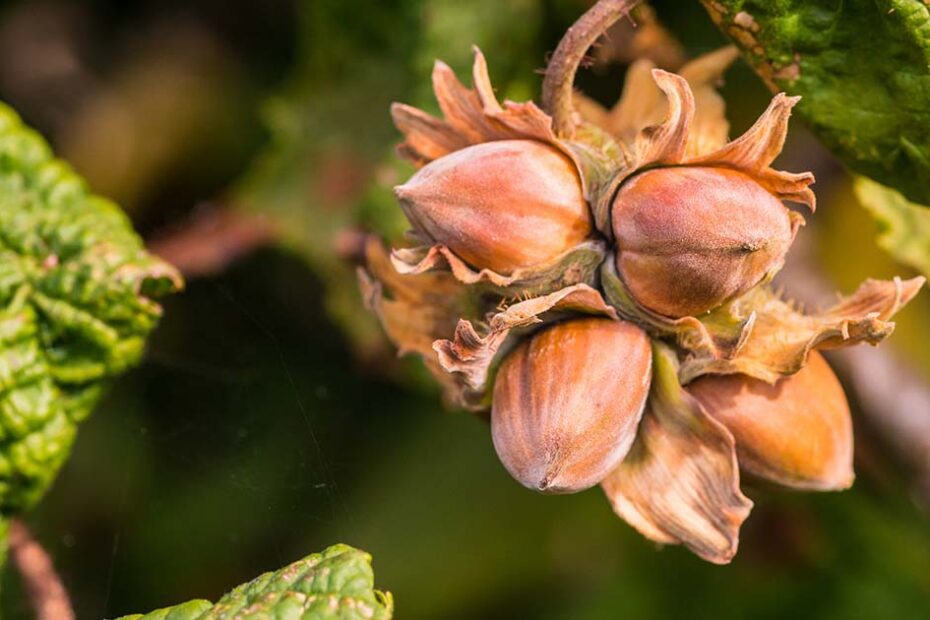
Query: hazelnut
[
  {"x": 567, "y": 402},
  {"x": 797, "y": 432},
  {"x": 504, "y": 205},
  {"x": 689, "y": 239}
]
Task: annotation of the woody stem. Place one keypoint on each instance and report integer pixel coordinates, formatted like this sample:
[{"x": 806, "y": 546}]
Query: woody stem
[
  {"x": 46, "y": 593},
  {"x": 560, "y": 74}
]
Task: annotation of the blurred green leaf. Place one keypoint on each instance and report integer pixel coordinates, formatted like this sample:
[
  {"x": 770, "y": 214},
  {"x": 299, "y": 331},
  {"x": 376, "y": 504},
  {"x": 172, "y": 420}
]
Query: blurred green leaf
[
  {"x": 862, "y": 68},
  {"x": 337, "y": 583},
  {"x": 76, "y": 288},
  {"x": 905, "y": 226}
]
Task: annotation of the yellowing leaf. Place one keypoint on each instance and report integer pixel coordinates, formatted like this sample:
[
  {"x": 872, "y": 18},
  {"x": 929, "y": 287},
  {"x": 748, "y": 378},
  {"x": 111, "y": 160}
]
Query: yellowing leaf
[{"x": 904, "y": 225}]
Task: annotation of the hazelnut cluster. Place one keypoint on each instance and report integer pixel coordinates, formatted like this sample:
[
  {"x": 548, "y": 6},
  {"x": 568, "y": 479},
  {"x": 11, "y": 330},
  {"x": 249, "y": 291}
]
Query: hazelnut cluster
[{"x": 606, "y": 295}]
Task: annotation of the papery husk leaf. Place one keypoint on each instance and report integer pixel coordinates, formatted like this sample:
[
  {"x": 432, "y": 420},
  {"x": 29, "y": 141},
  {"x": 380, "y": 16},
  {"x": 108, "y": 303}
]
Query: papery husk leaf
[
  {"x": 415, "y": 310},
  {"x": 781, "y": 337},
  {"x": 426, "y": 137},
  {"x": 752, "y": 153},
  {"x": 665, "y": 143},
  {"x": 578, "y": 265},
  {"x": 473, "y": 351},
  {"x": 704, "y": 74},
  {"x": 471, "y": 116},
  {"x": 680, "y": 482},
  {"x": 643, "y": 103}
]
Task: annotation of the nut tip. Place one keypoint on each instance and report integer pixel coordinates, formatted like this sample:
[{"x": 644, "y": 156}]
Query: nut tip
[{"x": 403, "y": 192}]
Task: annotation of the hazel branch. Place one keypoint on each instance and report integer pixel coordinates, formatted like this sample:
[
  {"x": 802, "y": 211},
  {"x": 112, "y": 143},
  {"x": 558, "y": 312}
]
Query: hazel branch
[
  {"x": 210, "y": 239},
  {"x": 560, "y": 73},
  {"x": 46, "y": 593}
]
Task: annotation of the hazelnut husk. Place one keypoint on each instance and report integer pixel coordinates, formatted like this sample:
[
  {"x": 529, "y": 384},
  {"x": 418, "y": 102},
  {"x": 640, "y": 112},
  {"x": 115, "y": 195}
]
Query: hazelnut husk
[
  {"x": 567, "y": 402},
  {"x": 691, "y": 238},
  {"x": 503, "y": 205},
  {"x": 797, "y": 432},
  {"x": 530, "y": 225}
]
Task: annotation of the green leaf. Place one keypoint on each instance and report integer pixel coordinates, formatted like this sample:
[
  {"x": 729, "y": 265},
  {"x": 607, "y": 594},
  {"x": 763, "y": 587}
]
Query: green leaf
[
  {"x": 190, "y": 610},
  {"x": 862, "y": 68},
  {"x": 76, "y": 289},
  {"x": 905, "y": 226},
  {"x": 337, "y": 583}
]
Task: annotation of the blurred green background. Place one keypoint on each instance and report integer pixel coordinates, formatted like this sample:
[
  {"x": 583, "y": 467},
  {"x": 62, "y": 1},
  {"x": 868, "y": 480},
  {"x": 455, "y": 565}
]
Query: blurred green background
[{"x": 270, "y": 418}]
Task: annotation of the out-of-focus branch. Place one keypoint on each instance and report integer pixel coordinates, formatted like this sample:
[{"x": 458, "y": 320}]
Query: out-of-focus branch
[
  {"x": 46, "y": 593},
  {"x": 894, "y": 398},
  {"x": 897, "y": 403},
  {"x": 641, "y": 36},
  {"x": 211, "y": 238}
]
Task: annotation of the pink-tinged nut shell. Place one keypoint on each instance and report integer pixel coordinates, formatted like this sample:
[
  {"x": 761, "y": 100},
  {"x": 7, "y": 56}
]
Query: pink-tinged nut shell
[
  {"x": 504, "y": 205},
  {"x": 567, "y": 402},
  {"x": 690, "y": 239},
  {"x": 797, "y": 432}
]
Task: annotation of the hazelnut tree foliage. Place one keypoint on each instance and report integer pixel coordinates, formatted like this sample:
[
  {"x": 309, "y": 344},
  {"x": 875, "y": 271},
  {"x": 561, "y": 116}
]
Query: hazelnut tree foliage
[
  {"x": 78, "y": 290},
  {"x": 77, "y": 301},
  {"x": 862, "y": 69},
  {"x": 336, "y": 583}
]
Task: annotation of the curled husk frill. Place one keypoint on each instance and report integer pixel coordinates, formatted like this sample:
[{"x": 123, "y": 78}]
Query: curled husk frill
[{"x": 606, "y": 297}]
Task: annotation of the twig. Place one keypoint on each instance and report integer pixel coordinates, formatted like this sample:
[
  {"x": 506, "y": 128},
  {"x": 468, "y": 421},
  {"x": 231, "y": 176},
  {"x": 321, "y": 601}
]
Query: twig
[
  {"x": 560, "y": 74},
  {"x": 46, "y": 593},
  {"x": 211, "y": 238}
]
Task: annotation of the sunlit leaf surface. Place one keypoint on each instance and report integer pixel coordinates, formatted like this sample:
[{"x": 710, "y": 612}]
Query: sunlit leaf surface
[
  {"x": 862, "y": 68},
  {"x": 76, "y": 305},
  {"x": 335, "y": 584}
]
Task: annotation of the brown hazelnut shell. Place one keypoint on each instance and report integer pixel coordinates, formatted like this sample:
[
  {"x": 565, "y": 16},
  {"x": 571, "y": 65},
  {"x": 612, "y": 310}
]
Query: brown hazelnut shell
[
  {"x": 797, "y": 432},
  {"x": 504, "y": 205},
  {"x": 567, "y": 401},
  {"x": 691, "y": 238}
]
